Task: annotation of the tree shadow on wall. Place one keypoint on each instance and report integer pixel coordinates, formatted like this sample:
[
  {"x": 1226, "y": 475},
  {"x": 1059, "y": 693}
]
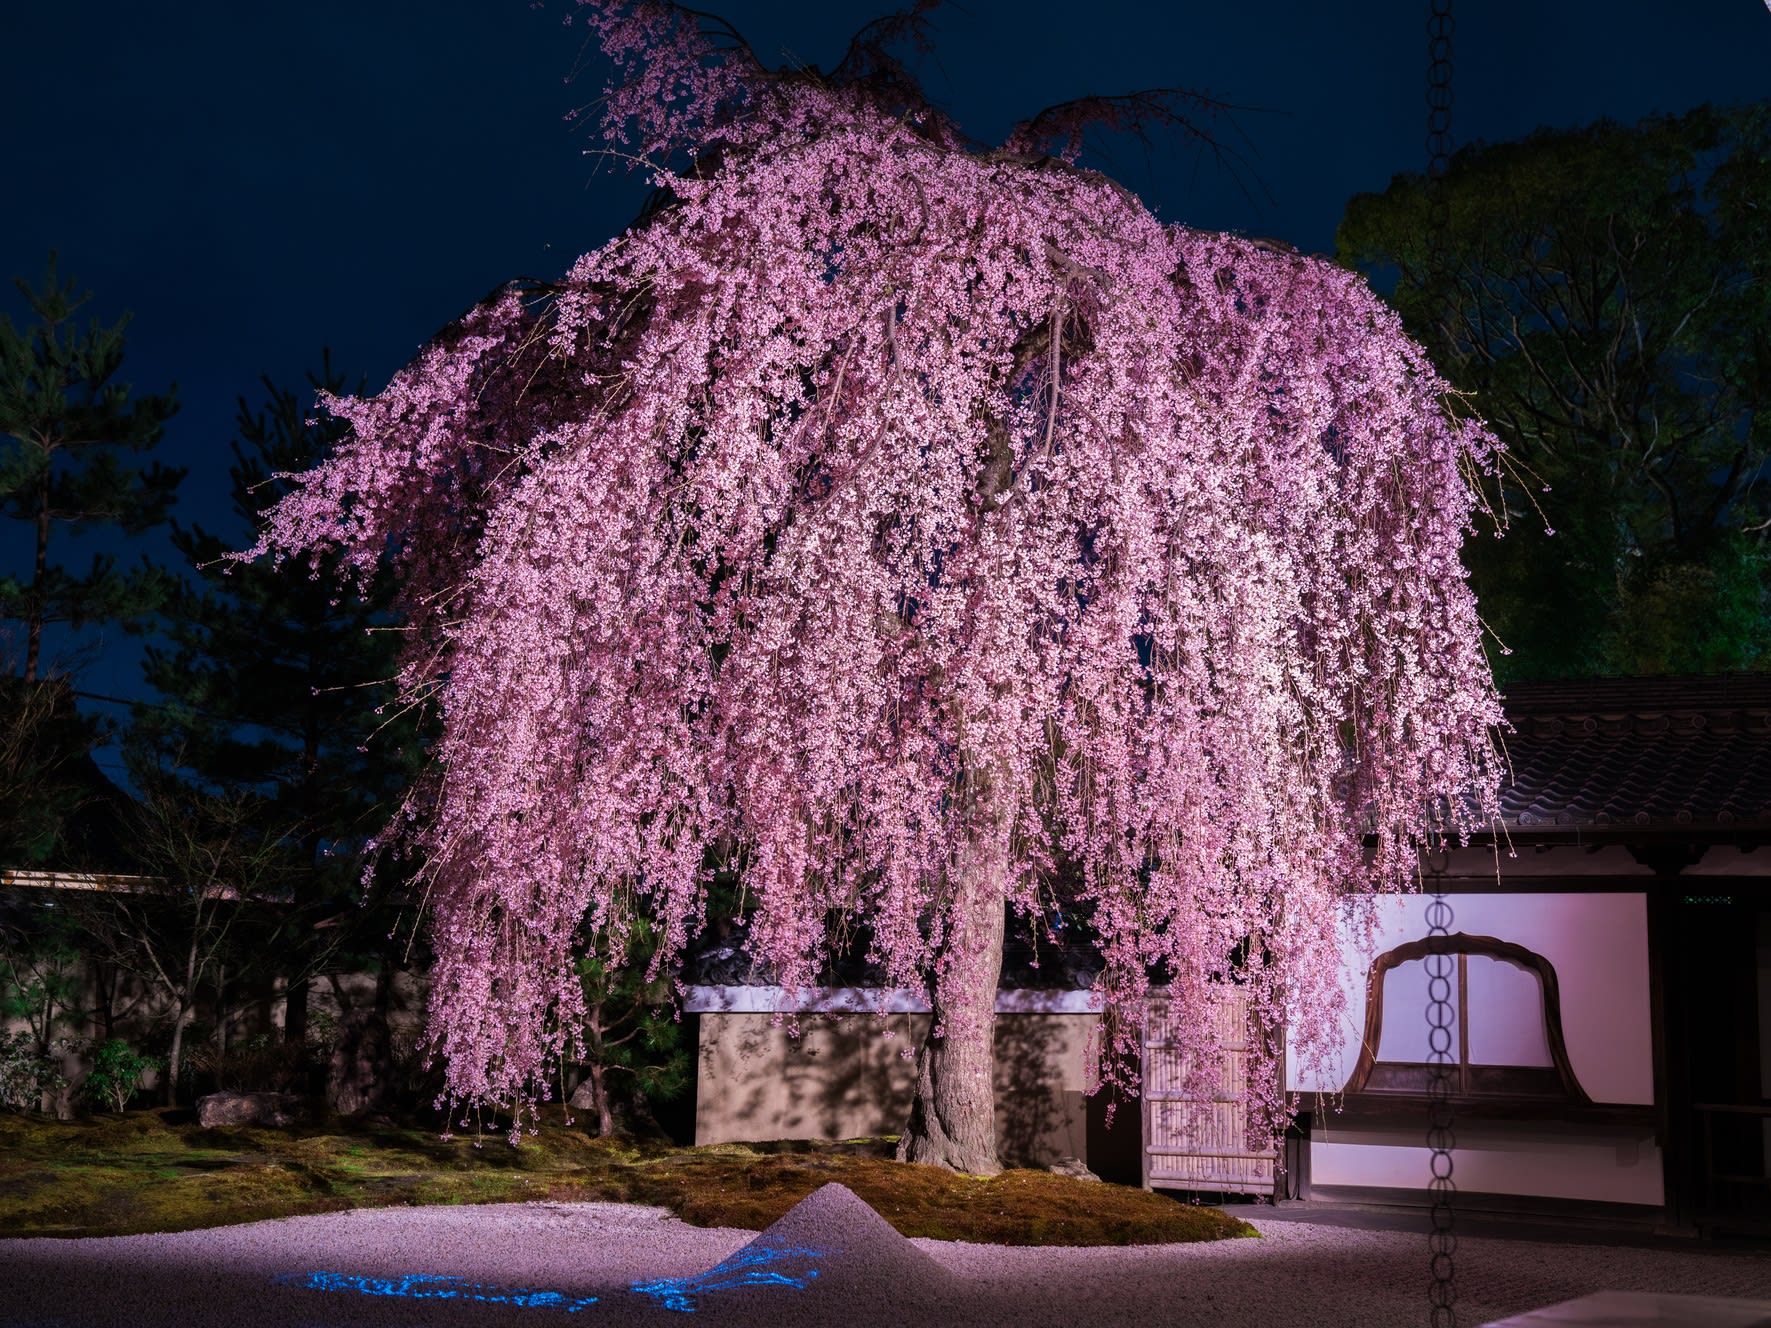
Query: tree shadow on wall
[
  {"x": 864, "y": 1083},
  {"x": 844, "y": 1077},
  {"x": 1031, "y": 1122},
  {"x": 753, "y": 1048}
]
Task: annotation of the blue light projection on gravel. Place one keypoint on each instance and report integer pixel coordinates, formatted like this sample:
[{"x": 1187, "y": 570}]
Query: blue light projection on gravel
[
  {"x": 424, "y": 1286},
  {"x": 754, "y": 1265}
]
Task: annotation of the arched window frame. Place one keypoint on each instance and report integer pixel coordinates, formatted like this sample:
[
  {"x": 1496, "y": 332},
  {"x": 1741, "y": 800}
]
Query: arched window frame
[{"x": 1464, "y": 944}]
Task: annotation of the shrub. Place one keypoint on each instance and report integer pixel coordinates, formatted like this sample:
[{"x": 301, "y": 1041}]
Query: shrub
[
  {"x": 116, "y": 1073},
  {"x": 263, "y": 1063},
  {"x": 26, "y": 1073}
]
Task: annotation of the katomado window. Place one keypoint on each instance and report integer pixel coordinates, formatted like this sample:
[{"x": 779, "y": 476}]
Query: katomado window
[{"x": 1506, "y": 1027}]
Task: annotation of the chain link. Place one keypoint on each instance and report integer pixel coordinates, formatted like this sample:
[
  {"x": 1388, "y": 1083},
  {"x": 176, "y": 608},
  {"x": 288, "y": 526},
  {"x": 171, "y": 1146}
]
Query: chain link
[
  {"x": 1441, "y": 1137},
  {"x": 1440, "y": 964},
  {"x": 1440, "y": 28}
]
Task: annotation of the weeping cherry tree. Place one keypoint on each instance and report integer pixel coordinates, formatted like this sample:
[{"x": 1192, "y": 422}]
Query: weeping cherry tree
[{"x": 922, "y": 523}]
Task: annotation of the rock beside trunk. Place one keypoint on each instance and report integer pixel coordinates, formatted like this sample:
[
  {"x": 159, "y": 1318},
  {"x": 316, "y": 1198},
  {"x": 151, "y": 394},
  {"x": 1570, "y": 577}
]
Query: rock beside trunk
[
  {"x": 236, "y": 1109},
  {"x": 1073, "y": 1167}
]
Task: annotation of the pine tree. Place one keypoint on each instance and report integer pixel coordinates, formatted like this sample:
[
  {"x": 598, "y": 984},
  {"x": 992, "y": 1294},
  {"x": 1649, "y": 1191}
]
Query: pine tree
[
  {"x": 56, "y": 807},
  {"x": 66, "y": 427},
  {"x": 272, "y": 682}
]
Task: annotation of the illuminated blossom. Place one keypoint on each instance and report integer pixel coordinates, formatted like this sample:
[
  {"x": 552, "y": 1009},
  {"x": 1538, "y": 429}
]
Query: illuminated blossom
[{"x": 880, "y": 507}]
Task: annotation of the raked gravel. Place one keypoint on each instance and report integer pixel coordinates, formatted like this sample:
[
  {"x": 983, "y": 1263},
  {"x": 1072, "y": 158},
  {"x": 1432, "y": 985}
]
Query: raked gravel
[{"x": 552, "y": 1263}]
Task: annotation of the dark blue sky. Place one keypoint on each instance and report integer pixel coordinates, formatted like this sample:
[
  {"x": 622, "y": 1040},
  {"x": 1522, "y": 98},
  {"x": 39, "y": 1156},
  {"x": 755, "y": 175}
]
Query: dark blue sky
[{"x": 254, "y": 182}]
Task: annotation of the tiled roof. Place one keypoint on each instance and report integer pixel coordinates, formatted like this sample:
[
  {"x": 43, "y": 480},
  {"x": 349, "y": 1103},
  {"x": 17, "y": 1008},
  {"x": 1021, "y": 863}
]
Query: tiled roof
[{"x": 1623, "y": 754}]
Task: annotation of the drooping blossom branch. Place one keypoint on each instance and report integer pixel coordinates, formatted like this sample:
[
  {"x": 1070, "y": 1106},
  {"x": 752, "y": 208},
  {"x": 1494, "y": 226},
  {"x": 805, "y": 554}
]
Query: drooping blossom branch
[{"x": 877, "y": 492}]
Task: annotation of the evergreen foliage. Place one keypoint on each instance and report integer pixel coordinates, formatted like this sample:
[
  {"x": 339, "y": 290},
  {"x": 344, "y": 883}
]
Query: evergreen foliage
[
  {"x": 40, "y": 972},
  {"x": 276, "y": 680},
  {"x": 116, "y": 1073},
  {"x": 47, "y": 779},
  {"x": 629, "y": 1039},
  {"x": 67, "y": 429},
  {"x": 1606, "y": 305}
]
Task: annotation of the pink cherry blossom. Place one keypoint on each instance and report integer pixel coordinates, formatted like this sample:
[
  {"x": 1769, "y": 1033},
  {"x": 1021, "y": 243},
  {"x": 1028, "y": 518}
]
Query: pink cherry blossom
[{"x": 879, "y": 498}]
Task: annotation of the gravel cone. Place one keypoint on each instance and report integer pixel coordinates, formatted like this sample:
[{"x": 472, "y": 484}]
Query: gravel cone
[{"x": 831, "y": 1249}]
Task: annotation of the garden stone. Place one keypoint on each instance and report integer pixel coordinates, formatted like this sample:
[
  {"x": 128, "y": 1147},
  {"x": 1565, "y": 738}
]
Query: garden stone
[
  {"x": 236, "y": 1109},
  {"x": 362, "y": 1072},
  {"x": 1073, "y": 1167}
]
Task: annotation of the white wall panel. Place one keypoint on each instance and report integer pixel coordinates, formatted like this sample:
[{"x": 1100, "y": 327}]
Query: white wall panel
[
  {"x": 1598, "y": 945},
  {"x": 1505, "y": 1014},
  {"x": 1601, "y": 1167}
]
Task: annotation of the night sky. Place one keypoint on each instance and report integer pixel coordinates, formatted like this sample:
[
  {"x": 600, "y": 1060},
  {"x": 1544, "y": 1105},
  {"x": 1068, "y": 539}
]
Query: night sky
[{"x": 256, "y": 182}]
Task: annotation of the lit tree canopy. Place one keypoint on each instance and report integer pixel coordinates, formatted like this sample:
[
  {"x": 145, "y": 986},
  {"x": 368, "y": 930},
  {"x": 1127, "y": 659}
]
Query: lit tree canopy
[{"x": 918, "y": 521}]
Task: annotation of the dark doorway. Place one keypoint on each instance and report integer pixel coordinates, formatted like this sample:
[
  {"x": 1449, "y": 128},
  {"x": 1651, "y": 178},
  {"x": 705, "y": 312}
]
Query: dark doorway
[{"x": 1715, "y": 939}]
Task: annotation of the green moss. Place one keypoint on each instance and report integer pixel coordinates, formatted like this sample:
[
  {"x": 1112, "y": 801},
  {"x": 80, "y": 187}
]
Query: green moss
[{"x": 156, "y": 1171}]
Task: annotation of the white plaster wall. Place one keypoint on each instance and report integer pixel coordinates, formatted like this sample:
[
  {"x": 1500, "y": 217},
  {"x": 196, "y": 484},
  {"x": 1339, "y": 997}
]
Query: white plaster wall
[
  {"x": 1539, "y": 1159},
  {"x": 842, "y": 1077}
]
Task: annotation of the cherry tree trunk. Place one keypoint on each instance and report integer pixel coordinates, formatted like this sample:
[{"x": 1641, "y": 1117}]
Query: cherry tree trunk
[{"x": 953, "y": 1110}]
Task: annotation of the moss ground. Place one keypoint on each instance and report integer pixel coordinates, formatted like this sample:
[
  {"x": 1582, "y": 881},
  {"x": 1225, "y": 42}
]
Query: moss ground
[{"x": 160, "y": 1171}]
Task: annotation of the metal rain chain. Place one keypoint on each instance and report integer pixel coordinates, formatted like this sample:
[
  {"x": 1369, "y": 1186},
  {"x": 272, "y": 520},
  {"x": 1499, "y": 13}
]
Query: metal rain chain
[{"x": 1440, "y": 964}]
